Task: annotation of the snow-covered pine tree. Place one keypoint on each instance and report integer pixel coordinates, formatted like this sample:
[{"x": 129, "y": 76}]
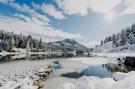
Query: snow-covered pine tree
[
  {"x": 131, "y": 38},
  {"x": 28, "y": 48},
  {"x": 123, "y": 38},
  {"x": 12, "y": 44},
  {"x": 40, "y": 44},
  {"x": 133, "y": 29},
  {"x": 114, "y": 40}
]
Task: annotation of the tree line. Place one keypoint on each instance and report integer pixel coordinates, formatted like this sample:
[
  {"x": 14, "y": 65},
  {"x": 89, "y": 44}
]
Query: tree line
[
  {"x": 126, "y": 36},
  {"x": 10, "y": 40}
]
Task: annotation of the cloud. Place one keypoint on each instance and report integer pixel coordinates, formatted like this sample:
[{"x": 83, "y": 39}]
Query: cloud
[
  {"x": 26, "y": 9},
  {"x": 34, "y": 23},
  {"x": 130, "y": 7},
  {"x": 81, "y": 7},
  {"x": 35, "y": 28},
  {"x": 71, "y": 7},
  {"x": 36, "y": 6},
  {"x": 6, "y": 1},
  {"x": 103, "y": 6},
  {"x": 51, "y": 10}
]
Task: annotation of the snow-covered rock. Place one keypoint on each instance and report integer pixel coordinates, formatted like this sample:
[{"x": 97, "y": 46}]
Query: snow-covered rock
[{"x": 119, "y": 76}]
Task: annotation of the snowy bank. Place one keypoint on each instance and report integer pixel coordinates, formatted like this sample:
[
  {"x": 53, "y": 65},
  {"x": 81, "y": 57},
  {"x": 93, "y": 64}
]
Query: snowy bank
[
  {"x": 114, "y": 55},
  {"x": 32, "y": 80},
  {"x": 125, "y": 81}
]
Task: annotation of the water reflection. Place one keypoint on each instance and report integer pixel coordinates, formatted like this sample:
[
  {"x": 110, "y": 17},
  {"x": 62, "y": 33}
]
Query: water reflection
[
  {"x": 105, "y": 70},
  {"x": 11, "y": 58}
]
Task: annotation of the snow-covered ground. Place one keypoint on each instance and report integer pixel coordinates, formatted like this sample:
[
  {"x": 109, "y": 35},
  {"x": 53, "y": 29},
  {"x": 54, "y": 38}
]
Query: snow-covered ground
[
  {"x": 16, "y": 75},
  {"x": 10, "y": 72},
  {"x": 119, "y": 80},
  {"x": 113, "y": 55},
  {"x": 94, "y": 60},
  {"x": 124, "y": 81}
]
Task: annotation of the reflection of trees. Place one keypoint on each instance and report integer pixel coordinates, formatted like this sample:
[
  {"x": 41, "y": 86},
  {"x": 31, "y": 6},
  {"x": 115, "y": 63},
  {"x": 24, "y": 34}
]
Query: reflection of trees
[
  {"x": 114, "y": 67},
  {"x": 5, "y": 59},
  {"x": 9, "y": 58}
]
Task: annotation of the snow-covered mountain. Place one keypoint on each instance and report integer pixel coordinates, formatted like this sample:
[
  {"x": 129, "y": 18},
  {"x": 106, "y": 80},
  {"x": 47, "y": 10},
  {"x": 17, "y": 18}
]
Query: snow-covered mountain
[
  {"x": 121, "y": 42},
  {"x": 68, "y": 43}
]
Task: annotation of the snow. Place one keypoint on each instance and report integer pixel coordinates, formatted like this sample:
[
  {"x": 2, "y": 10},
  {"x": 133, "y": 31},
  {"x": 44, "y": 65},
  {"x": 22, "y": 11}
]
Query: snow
[
  {"x": 128, "y": 48},
  {"x": 113, "y": 55},
  {"x": 17, "y": 51},
  {"x": 126, "y": 82},
  {"x": 109, "y": 48},
  {"x": 93, "y": 60},
  {"x": 103, "y": 48},
  {"x": 119, "y": 76},
  {"x": 17, "y": 73},
  {"x": 24, "y": 76},
  {"x": 21, "y": 84},
  {"x": 66, "y": 86},
  {"x": 20, "y": 50}
]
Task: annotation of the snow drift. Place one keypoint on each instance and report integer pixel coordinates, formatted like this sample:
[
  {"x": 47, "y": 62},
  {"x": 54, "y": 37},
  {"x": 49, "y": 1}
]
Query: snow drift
[{"x": 123, "y": 81}]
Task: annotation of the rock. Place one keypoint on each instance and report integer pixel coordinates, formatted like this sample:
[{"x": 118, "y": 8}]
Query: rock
[
  {"x": 129, "y": 61},
  {"x": 38, "y": 83},
  {"x": 0, "y": 84},
  {"x": 44, "y": 74},
  {"x": 56, "y": 62}
]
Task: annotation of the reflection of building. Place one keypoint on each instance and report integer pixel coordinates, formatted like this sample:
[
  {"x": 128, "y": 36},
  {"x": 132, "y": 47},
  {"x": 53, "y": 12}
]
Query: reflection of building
[
  {"x": 80, "y": 52},
  {"x": 74, "y": 51}
]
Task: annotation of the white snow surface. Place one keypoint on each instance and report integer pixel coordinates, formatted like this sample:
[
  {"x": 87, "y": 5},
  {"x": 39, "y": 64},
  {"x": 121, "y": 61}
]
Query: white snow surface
[
  {"x": 126, "y": 82},
  {"x": 113, "y": 55},
  {"x": 94, "y": 60}
]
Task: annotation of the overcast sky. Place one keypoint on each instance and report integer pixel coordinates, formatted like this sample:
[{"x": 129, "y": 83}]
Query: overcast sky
[{"x": 87, "y": 21}]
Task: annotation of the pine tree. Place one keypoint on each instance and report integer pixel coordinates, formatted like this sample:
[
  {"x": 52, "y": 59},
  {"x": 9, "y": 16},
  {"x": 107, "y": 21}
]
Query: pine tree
[
  {"x": 133, "y": 29},
  {"x": 12, "y": 44},
  {"x": 28, "y": 48},
  {"x": 131, "y": 39},
  {"x": 40, "y": 44},
  {"x": 123, "y": 38},
  {"x": 114, "y": 40}
]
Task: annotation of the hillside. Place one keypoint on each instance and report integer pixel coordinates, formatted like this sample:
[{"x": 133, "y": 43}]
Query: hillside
[
  {"x": 120, "y": 42},
  {"x": 68, "y": 43}
]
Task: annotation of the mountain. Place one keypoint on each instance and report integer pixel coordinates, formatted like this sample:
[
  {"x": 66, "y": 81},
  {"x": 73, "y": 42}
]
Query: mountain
[
  {"x": 68, "y": 43},
  {"x": 123, "y": 41}
]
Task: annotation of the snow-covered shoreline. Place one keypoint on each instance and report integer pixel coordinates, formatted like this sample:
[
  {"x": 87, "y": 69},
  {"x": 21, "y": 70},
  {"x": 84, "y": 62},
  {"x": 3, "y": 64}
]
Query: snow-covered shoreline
[
  {"x": 23, "y": 74},
  {"x": 26, "y": 67},
  {"x": 113, "y": 55}
]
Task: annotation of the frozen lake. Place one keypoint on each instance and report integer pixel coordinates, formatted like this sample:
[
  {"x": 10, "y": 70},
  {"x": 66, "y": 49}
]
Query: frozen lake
[{"x": 71, "y": 68}]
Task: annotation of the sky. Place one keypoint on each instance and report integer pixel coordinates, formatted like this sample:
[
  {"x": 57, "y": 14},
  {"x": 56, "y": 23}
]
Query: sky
[{"x": 87, "y": 21}]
